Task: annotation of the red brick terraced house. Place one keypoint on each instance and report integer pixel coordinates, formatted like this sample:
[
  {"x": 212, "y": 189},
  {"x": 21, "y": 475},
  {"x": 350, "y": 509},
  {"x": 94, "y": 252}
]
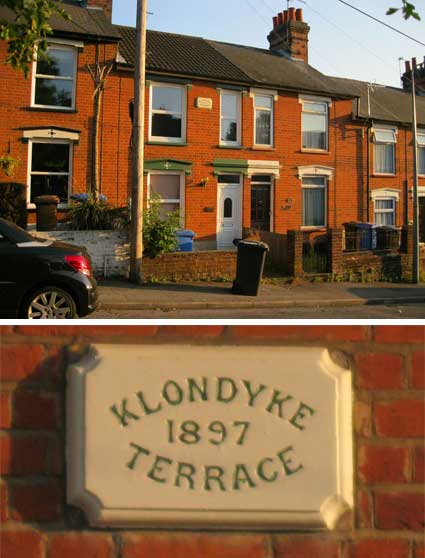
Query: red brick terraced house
[{"x": 237, "y": 137}]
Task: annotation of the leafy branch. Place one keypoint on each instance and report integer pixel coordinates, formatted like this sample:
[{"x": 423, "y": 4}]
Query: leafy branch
[
  {"x": 29, "y": 30},
  {"x": 407, "y": 9}
]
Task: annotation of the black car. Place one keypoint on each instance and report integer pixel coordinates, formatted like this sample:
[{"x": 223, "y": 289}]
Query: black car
[{"x": 43, "y": 279}]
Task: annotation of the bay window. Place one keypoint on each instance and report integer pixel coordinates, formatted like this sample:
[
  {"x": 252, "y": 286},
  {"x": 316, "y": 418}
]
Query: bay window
[
  {"x": 384, "y": 150},
  {"x": 314, "y": 201},
  {"x": 55, "y": 77},
  {"x": 167, "y": 113}
]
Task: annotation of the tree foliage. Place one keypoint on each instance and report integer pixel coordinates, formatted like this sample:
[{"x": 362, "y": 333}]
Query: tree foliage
[
  {"x": 407, "y": 9},
  {"x": 28, "y": 31}
]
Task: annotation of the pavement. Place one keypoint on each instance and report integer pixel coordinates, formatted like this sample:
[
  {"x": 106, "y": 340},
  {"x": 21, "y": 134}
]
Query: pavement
[{"x": 122, "y": 295}]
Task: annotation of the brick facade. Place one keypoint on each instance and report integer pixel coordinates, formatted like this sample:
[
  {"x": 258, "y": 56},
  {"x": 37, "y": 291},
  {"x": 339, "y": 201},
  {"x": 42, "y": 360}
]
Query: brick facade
[
  {"x": 388, "y": 424},
  {"x": 348, "y": 189}
]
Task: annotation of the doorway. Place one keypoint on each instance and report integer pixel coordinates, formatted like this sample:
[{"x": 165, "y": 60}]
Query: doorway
[
  {"x": 261, "y": 188},
  {"x": 229, "y": 214}
]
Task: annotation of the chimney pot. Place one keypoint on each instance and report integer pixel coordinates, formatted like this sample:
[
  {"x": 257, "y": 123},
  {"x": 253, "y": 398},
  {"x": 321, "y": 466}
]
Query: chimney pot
[
  {"x": 407, "y": 65},
  {"x": 291, "y": 14},
  {"x": 275, "y": 22},
  {"x": 285, "y": 16},
  {"x": 414, "y": 63},
  {"x": 279, "y": 19},
  {"x": 299, "y": 14}
]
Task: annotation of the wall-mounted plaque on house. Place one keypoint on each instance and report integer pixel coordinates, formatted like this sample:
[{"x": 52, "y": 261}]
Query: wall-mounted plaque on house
[
  {"x": 207, "y": 436},
  {"x": 204, "y": 102}
]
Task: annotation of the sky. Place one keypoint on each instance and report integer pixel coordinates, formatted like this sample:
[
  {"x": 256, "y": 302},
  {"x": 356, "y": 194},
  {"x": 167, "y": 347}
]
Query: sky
[{"x": 342, "y": 42}]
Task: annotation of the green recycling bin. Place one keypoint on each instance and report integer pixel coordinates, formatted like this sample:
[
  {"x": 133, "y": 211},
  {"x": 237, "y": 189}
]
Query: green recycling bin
[{"x": 249, "y": 267}]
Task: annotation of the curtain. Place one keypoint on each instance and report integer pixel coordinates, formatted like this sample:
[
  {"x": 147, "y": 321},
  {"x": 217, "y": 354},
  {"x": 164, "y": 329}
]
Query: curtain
[
  {"x": 384, "y": 158},
  {"x": 313, "y": 207}
]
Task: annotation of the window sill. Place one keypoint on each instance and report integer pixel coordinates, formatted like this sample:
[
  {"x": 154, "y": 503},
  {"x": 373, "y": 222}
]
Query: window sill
[
  {"x": 318, "y": 151},
  {"x": 167, "y": 143},
  {"x": 51, "y": 109},
  {"x": 263, "y": 148},
  {"x": 60, "y": 207},
  {"x": 230, "y": 147},
  {"x": 383, "y": 175},
  {"x": 312, "y": 228}
]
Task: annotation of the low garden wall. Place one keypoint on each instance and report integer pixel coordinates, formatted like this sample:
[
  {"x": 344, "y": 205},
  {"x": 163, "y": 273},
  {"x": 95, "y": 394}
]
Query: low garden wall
[
  {"x": 109, "y": 250},
  {"x": 190, "y": 266}
]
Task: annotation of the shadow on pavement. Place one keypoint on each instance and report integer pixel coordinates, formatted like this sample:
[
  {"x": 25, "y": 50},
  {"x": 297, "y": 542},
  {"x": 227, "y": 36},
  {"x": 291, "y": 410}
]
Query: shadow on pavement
[{"x": 169, "y": 287}]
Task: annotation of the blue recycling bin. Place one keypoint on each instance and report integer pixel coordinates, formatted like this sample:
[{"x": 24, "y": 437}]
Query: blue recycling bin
[
  {"x": 185, "y": 240},
  {"x": 367, "y": 233}
]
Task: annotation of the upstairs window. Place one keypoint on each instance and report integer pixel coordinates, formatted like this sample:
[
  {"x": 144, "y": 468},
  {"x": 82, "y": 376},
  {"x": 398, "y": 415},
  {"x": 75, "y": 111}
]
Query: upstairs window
[
  {"x": 54, "y": 78},
  {"x": 384, "y": 150},
  {"x": 167, "y": 118},
  {"x": 230, "y": 109},
  {"x": 421, "y": 153},
  {"x": 263, "y": 120},
  {"x": 315, "y": 125}
]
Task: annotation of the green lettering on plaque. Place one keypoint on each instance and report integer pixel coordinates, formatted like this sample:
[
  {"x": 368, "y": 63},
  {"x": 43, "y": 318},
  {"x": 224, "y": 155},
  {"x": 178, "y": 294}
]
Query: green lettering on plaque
[
  {"x": 213, "y": 473},
  {"x": 194, "y": 387},
  {"x": 156, "y": 468},
  {"x": 222, "y": 396},
  {"x": 185, "y": 471},
  {"x": 261, "y": 473},
  {"x": 145, "y": 406},
  {"x": 300, "y": 414},
  {"x": 252, "y": 394},
  {"x": 124, "y": 415},
  {"x": 278, "y": 401},
  {"x": 240, "y": 476},
  {"x": 167, "y": 393},
  {"x": 286, "y": 461},
  {"x": 132, "y": 463}
]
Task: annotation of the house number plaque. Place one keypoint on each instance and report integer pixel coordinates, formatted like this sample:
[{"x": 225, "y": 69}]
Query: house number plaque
[{"x": 206, "y": 436}]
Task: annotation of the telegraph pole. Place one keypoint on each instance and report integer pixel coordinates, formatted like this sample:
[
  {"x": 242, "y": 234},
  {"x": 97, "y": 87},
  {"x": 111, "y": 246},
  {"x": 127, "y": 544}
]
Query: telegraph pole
[
  {"x": 136, "y": 236},
  {"x": 415, "y": 267}
]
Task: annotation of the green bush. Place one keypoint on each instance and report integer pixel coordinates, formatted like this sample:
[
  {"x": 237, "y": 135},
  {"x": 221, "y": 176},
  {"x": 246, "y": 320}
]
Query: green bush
[
  {"x": 159, "y": 233},
  {"x": 13, "y": 206},
  {"x": 88, "y": 214}
]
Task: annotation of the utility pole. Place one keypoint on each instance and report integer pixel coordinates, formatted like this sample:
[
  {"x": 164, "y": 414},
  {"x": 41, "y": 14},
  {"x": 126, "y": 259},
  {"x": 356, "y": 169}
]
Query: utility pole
[
  {"x": 136, "y": 236},
  {"x": 415, "y": 266}
]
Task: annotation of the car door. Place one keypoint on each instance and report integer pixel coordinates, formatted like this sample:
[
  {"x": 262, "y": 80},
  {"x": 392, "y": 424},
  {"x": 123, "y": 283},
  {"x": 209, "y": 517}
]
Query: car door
[{"x": 9, "y": 275}]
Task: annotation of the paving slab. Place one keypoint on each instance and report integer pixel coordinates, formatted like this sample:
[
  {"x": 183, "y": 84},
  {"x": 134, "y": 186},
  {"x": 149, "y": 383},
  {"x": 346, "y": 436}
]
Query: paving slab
[{"x": 122, "y": 295}]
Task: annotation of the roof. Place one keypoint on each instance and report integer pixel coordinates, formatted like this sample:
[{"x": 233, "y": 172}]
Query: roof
[
  {"x": 85, "y": 22},
  {"x": 194, "y": 56},
  {"x": 389, "y": 104}
]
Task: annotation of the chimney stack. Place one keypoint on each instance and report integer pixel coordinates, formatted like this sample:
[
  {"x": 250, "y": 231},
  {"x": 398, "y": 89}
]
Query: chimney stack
[
  {"x": 406, "y": 78},
  {"x": 105, "y": 5},
  {"x": 290, "y": 34}
]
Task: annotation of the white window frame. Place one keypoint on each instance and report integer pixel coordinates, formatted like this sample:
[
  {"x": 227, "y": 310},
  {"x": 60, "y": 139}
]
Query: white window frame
[
  {"x": 183, "y": 113},
  {"x": 393, "y": 131},
  {"x": 30, "y": 173},
  {"x": 236, "y": 94},
  {"x": 392, "y": 210},
  {"x": 274, "y": 96},
  {"x": 386, "y": 194},
  {"x": 58, "y": 46},
  {"x": 323, "y": 186},
  {"x": 421, "y": 148},
  {"x": 306, "y": 101},
  {"x": 180, "y": 201}
]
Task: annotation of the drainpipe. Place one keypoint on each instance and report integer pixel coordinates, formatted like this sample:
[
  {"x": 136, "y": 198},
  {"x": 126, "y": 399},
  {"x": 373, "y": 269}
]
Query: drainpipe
[{"x": 368, "y": 171}]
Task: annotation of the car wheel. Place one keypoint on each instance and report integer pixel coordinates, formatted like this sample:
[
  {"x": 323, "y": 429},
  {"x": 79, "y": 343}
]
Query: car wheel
[{"x": 50, "y": 303}]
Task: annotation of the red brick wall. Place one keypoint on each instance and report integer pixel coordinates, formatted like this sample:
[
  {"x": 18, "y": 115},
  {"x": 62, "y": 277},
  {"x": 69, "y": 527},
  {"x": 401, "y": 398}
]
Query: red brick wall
[
  {"x": 389, "y": 379},
  {"x": 347, "y": 148}
]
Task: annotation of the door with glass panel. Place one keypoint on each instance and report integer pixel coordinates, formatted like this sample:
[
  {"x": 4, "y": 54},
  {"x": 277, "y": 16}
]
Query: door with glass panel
[
  {"x": 229, "y": 220},
  {"x": 260, "y": 202}
]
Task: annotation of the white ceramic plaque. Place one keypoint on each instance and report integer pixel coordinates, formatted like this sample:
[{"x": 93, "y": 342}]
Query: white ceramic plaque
[
  {"x": 204, "y": 102},
  {"x": 207, "y": 436}
]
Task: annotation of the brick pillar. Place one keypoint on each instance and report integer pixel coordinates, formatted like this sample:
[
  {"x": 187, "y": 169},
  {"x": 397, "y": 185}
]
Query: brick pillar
[
  {"x": 335, "y": 251},
  {"x": 407, "y": 249},
  {"x": 295, "y": 253}
]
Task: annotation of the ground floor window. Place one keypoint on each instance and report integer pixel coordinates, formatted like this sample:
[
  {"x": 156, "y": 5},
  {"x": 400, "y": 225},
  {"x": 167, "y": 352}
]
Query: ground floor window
[
  {"x": 385, "y": 211},
  {"x": 314, "y": 201},
  {"x": 168, "y": 189},
  {"x": 50, "y": 169},
  {"x": 421, "y": 153}
]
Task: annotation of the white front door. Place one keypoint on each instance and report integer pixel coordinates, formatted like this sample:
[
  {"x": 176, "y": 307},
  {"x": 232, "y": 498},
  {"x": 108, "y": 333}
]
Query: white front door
[{"x": 229, "y": 215}]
